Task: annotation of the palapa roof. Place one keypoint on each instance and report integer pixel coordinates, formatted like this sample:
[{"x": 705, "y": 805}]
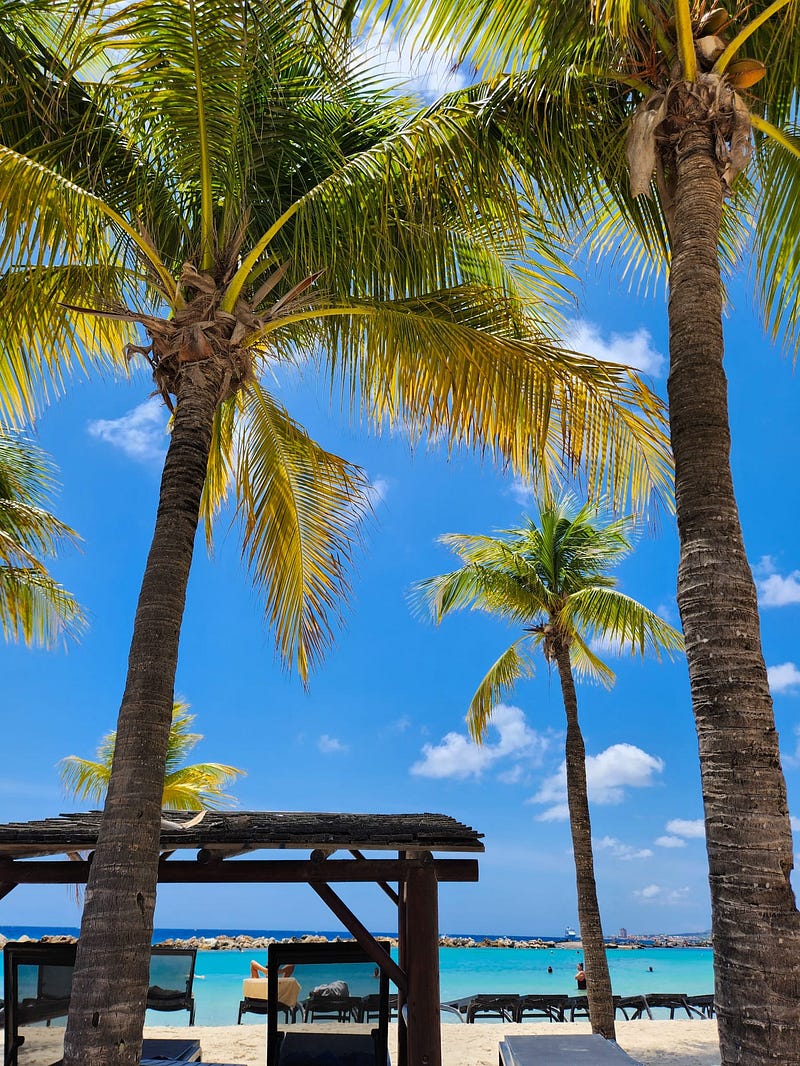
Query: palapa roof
[{"x": 244, "y": 831}]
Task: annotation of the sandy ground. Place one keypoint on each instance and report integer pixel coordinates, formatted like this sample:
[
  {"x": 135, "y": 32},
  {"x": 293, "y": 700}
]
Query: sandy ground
[{"x": 659, "y": 1043}]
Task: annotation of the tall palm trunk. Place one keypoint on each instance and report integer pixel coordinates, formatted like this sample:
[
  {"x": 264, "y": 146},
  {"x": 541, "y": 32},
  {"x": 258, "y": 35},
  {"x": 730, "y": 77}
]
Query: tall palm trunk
[
  {"x": 756, "y": 930},
  {"x": 111, "y": 975},
  {"x": 598, "y": 980}
]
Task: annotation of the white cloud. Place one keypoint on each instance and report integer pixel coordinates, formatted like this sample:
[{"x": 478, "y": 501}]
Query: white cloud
[
  {"x": 607, "y": 775},
  {"x": 379, "y": 489},
  {"x": 458, "y": 756},
  {"x": 784, "y": 677},
  {"x": 773, "y": 589},
  {"x": 795, "y": 824},
  {"x": 693, "y": 829},
  {"x": 649, "y": 892},
  {"x": 331, "y": 745},
  {"x": 140, "y": 434},
  {"x": 633, "y": 349},
  {"x": 428, "y": 72},
  {"x": 670, "y": 842},
  {"x": 625, "y": 852}
]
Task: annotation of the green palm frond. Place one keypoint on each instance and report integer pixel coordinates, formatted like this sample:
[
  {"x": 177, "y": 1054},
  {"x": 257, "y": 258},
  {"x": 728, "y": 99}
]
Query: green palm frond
[
  {"x": 609, "y": 614},
  {"x": 300, "y": 509},
  {"x": 551, "y": 577},
  {"x": 196, "y": 787},
  {"x": 515, "y": 663},
  {"x": 587, "y": 664},
  {"x": 33, "y": 606}
]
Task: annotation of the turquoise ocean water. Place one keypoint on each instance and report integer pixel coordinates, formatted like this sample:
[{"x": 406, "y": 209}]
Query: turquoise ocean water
[{"x": 463, "y": 971}]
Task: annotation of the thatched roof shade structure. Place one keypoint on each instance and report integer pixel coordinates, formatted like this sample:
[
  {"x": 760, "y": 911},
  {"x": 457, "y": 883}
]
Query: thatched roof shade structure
[{"x": 29, "y": 850}]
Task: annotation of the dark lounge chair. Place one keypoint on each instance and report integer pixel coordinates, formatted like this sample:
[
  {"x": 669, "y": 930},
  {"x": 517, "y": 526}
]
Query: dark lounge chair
[
  {"x": 171, "y": 980},
  {"x": 577, "y": 1006},
  {"x": 371, "y": 1008},
  {"x": 337, "y": 968},
  {"x": 637, "y": 1005},
  {"x": 704, "y": 1005},
  {"x": 457, "y": 1007},
  {"x": 493, "y": 1006},
  {"x": 544, "y": 1006},
  {"x": 670, "y": 1001},
  {"x": 37, "y": 984}
]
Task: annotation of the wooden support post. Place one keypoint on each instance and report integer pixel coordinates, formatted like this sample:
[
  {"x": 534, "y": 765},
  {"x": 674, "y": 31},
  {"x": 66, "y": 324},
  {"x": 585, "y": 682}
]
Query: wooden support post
[
  {"x": 402, "y": 958},
  {"x": 422, "y": 966}
]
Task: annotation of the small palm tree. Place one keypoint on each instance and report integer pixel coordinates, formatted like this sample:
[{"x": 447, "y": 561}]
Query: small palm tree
[
  {"x": 33, "y": 606},
  {"x": 553, "y": 581},
  {"x": 194, "y": 787}
]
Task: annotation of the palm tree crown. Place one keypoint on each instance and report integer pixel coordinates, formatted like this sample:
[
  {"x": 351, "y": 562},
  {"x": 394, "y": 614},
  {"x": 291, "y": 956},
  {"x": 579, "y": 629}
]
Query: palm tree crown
[
  {"x": 552, "y": 580},
  {"x": 193, "y": 787},
  {"x": 33, "y": 606}
]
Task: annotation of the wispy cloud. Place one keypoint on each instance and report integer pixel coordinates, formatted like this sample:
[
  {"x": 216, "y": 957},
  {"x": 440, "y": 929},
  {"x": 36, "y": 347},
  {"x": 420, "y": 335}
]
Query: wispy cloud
[
  {"x": 458, "y": 756},
  {"x": 669, "y": 841},
  {"x": 331, "y": 745},
  {"x": 618, "y": 850},
  {"x": 775, "y": 590},
  {"x": 633, "y": 349},
  {"x": 784, "y": 677},
  {"x": 378, "y": 489},
  {"x": 608, "y": 775},
  {"x": 427, "y": 72},
  {"x": 679, "y": 830},
  {"x": 662, "y": 895},
  {"x": 140, "y": 434}
]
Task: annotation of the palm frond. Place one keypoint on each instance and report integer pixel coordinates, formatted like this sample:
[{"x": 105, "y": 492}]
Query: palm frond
[
  {"x": 300, "y": 509},
  {"x": 587, "y": 664},
  {"x": 611, "y": 615},
  {"x": 515, "y": 663}
]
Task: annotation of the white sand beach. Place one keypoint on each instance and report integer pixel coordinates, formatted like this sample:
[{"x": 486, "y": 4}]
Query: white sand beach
[{"x": 658, "y": 1043}]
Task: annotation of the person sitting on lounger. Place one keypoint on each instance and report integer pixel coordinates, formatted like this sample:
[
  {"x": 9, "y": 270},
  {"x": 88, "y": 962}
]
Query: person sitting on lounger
[{"x": 257, "y": 970}]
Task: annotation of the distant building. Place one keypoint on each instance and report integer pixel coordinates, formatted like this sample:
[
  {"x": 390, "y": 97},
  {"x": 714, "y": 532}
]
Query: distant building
[{"x": 623, "y": 933}]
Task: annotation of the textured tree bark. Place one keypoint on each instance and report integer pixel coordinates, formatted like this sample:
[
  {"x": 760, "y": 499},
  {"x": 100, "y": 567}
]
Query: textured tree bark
[
  {"x": 598, "y": 979},
  {"x": 110, "y": 982},
  {"x": 756, "y": 930}
]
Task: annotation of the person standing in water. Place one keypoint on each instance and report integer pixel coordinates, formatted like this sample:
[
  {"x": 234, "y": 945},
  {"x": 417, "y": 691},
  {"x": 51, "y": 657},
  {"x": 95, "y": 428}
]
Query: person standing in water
[{"x": 580, "y": 978}]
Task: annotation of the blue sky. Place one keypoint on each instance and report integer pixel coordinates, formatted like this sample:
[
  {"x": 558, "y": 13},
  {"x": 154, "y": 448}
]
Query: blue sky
[{"x": 382, "y": 725}]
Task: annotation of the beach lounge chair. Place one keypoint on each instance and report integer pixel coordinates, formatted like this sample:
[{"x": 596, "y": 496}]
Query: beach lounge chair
[
  {"x": 577, "y": 1007},
  {"x": 637, "y": 1005},
  {"x": 670, "y": 1001},
  {"x": 37, "y": 986},
  {"x": 493, "y": 1006},
  {"x": 545, "y": 1006},
  {"x": 371, "y": 1008},
  {"x": 563, "y": 1050},
  {"x": 457, "y": 1007},
  {"x": 703, "y": 1005},
  {"x": 334, "y": 971},
  {"x": 254, "y": 997},
  {"x": 171, "y": 980}
]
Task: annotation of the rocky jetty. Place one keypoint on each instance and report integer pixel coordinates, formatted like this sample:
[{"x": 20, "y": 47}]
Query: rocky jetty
[{"x": 224, "y": 942}]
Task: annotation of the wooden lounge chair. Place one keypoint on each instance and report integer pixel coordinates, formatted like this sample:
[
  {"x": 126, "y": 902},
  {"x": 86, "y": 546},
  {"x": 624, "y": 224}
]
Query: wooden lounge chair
[
  {"x": 563, "y": 1050},
  {"x": 544, "y": 1006},
  {"x": 371, "y": 1007},
  {"x": 493, "y": 1006}
]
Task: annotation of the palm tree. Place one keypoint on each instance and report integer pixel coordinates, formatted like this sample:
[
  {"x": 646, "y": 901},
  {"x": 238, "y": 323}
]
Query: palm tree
[
  {"x": 193, "y": 787},
  {"x": 33, "y": 606},
  {"x": 210, "y": 174},
  {"x": 552, "y": 580},
  {"x": 697, "y": 93}
]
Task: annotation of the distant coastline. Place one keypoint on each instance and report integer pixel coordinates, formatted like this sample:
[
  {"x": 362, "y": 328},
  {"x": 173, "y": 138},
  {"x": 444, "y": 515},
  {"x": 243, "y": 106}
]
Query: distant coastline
[{"x": 253, "y": 940}]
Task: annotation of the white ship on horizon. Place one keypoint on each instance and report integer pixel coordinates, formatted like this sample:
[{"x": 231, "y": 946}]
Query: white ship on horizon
[{"x": 570, "y": 933}]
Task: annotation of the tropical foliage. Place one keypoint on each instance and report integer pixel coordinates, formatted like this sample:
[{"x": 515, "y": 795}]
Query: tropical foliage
[
  {"x": 552, "y": 581},
  {"x": 664, "y": 133},
  {"x": 187, "y": 787},
  {"x": 210, "y": 187},
  {"x": 33, "y": 606}
]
